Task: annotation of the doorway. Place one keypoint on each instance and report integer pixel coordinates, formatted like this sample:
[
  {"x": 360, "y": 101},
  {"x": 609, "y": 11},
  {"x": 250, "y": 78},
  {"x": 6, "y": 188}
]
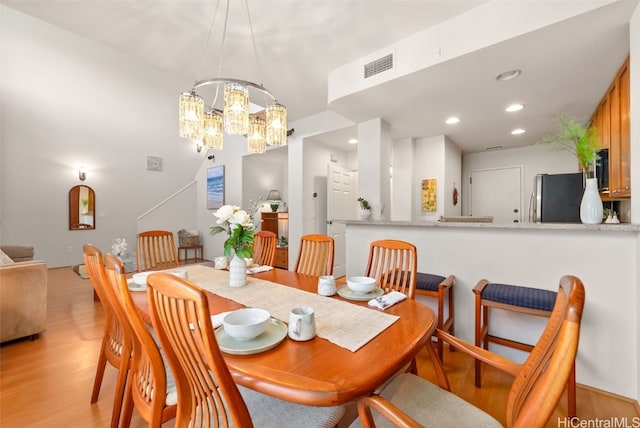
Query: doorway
[
  {"x": 497, "y": 192},
  {"x": 341, "y": 204}
]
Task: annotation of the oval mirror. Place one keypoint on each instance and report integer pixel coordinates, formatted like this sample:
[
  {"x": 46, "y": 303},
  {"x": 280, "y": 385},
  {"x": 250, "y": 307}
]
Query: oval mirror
[{"x": 82, "y": 203}]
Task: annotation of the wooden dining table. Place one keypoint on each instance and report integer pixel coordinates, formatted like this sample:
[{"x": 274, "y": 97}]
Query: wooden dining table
[{"x": 318, "y": 372}]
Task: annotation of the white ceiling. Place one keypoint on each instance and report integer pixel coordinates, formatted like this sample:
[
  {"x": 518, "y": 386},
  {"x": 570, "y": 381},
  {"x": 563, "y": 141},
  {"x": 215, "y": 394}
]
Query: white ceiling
[{"x": 566, "y": 66}]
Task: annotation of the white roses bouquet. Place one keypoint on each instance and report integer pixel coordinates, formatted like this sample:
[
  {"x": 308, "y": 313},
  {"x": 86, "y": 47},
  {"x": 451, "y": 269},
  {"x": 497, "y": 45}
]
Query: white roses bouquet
[{"x": 239, "y": 227}]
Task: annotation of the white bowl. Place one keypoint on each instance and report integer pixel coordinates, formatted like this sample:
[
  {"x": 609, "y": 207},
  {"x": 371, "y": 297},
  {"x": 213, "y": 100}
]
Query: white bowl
[
  {"x": 361, "y": 284},
  {"x": 141, "y": 278},
  {"x": 246, "y": 323}
]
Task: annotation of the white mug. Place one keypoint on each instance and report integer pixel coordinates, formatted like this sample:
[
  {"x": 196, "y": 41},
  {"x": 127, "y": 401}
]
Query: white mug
[
  {"x": 302, "y": 323},
  {"x": 220, "y": 262},
  {"x": 327, "y": 285}
]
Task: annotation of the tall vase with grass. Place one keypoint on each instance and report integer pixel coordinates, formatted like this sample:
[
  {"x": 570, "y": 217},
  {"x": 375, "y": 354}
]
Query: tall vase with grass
[{"x": 582, "y": 140}]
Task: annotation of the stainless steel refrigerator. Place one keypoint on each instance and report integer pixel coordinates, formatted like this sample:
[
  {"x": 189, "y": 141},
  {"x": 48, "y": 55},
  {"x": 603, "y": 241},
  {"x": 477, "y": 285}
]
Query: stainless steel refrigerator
[{"x": 556, "y": 198}]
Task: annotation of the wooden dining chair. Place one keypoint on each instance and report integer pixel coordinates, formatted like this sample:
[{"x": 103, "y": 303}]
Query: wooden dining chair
[
  {"x": 208, "y": 395},
  {"x": 156, "y": 249},
  {"x": 150, "y": 386},
  {"x": 264, "y": 248},
  {"x": 408, "y": 401},
  {"x": 315, "y": 256},
  {"x": 116, "y": 344},
  {"x": 393, "y": 264}
]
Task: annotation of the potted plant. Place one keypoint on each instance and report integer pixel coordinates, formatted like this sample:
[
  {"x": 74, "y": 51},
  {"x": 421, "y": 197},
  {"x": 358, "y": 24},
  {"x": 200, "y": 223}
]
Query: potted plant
[
  {"x": 576, "y": 137},
  {"x": 581, "y": 139},
  {"x": 85, "y": 206},
  {"x": 365, "y": 208}
]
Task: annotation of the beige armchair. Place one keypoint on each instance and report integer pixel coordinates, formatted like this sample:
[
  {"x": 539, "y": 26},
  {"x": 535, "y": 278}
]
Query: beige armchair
[{"x": 23, "y": 294}]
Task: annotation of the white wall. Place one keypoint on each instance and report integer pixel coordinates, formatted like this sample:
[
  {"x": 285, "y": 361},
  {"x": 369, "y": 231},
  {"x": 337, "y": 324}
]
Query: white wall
[
  {"x": 174, "y": 213},
  {"x": 262, "y": 173},
  {"x": 452, "y": 178},
  {"x": 235, "y": 147},
  {"x": 374, "y": 161},
  {"x": 436, "y": 157},
  {"x": 299, "y": 188},
  {"x": 402, "y": 161},
  {"x": 535, "y": 159},
  {"x": 68, "y": 101}
]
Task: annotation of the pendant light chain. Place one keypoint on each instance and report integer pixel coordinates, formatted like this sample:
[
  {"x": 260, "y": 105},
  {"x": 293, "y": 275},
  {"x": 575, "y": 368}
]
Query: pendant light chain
[{"x": 267, "y": 127}]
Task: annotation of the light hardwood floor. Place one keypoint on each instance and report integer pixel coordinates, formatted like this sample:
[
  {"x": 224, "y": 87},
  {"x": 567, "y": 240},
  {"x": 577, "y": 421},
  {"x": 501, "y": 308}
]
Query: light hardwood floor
[{"x": 47, "y": 382}]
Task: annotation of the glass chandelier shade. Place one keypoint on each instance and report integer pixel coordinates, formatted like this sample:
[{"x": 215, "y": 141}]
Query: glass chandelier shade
[
  {"x": 256, "y": 138},
  {"x": 236, "y": 108},
  {"x": 190, "y": 116},
  {"x": 276, "y": 115},
  {"x": 213, "y": 132}
]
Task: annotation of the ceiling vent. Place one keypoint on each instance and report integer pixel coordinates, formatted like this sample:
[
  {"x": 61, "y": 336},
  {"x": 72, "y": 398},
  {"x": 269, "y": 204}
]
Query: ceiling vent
[{"x": 378, "y": 66}]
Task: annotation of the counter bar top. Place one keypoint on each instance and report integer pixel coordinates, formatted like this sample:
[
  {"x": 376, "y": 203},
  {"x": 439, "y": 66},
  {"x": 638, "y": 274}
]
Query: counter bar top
[{"x": 607, "y": 227}]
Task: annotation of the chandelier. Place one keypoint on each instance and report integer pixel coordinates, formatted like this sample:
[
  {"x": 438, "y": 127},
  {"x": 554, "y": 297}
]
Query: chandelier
[{"x": 206, "y": 124}]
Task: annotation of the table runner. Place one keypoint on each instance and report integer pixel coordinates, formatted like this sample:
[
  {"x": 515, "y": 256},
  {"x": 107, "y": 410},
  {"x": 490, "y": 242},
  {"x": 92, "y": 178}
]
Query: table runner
[{"x": 342, "y": 323}]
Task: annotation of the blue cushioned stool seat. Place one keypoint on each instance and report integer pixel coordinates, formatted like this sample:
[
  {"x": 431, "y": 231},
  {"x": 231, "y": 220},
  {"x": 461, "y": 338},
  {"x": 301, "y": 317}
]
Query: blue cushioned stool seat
[
  {"x": 525, "y": 297},
  {"x": 427, "y": 281},
  {"x": 514, "y": 298}
]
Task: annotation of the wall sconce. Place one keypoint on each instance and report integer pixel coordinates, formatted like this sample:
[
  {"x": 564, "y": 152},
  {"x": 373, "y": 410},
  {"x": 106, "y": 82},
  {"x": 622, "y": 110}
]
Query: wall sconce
[
  {"x": 274, "y": 198},
  {"x": 82, "y": 173}
]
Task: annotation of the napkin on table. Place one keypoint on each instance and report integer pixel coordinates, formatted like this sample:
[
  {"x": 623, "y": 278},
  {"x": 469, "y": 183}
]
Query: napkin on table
[
  {"x": 387, "y": 300},
  {"x": 257, "y": 269},
  {"x": 216, "y": 320}
]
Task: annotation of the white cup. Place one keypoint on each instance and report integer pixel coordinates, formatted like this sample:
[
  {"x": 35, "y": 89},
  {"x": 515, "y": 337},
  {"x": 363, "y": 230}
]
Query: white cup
[
  {"x": 327, "y": 285},
  {"x": 302, "y": 323},
  {"x": 181, "y": 273},
  {"x": 220, "y": 262},
  {"x": 248, "y": 261}
]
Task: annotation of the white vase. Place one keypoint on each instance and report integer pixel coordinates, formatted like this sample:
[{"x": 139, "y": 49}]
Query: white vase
[
  {"x": 237, "y": 272},
  {"x": 364, "y": 214},
  {"x": 591, "y": 204}
]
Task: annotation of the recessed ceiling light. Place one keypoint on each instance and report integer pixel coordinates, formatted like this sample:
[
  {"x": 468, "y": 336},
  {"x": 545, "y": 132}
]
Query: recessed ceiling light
[
  {"x": 452, "y": 120},
  {"x": 353, "y": 141},
  {"x": 508, "y": 75},
  {"x": 514, "y": 107},
  {"x": 518, "y": 131}
]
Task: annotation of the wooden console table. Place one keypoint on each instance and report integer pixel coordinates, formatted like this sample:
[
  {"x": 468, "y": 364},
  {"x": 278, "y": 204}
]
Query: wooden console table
[{"x": 197, "y": 253}]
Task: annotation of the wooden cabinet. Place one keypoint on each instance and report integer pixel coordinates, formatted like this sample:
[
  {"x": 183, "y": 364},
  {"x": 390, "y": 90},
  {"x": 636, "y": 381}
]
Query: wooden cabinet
[
  {"x": 278, "y": 223},
  {"x": 612, "y": 120}
]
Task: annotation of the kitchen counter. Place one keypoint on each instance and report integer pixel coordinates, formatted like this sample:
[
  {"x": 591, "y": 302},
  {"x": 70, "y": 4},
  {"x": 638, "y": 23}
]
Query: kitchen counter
[
  {"x": 606, "y": 257},
  {"x": 610, "y": 227}
]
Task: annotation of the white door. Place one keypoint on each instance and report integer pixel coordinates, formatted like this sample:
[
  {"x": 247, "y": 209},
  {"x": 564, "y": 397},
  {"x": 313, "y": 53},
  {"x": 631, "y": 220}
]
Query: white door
[
  {"x": 340, "y": 206},
  {"x": 498, "y": 193}
]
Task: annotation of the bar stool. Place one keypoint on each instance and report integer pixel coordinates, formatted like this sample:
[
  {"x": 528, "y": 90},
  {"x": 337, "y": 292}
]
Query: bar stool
[
  {"x": 439, "y": 287},
  {"x": 526, "y": 300}
]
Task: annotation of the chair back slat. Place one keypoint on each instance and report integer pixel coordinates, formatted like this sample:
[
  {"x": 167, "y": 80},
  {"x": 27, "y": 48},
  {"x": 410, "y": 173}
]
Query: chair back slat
[
  {"x": 264, "y": 247},
  {"x": 208, "y": 394},
  {"x": 393, "y": 264},
  {"x": 540, "y": 383},
  {"x": 315, "y": 256},
  {"x": 156, "y": 249}
]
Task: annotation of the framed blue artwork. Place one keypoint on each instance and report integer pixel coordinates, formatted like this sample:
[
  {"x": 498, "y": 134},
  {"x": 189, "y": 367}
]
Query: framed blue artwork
[{"x": 215, "y": 187}]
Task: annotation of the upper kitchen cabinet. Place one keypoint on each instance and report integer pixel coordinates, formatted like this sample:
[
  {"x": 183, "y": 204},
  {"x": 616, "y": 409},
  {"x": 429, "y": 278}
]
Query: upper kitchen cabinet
[{"x": 613, "y": 123}]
